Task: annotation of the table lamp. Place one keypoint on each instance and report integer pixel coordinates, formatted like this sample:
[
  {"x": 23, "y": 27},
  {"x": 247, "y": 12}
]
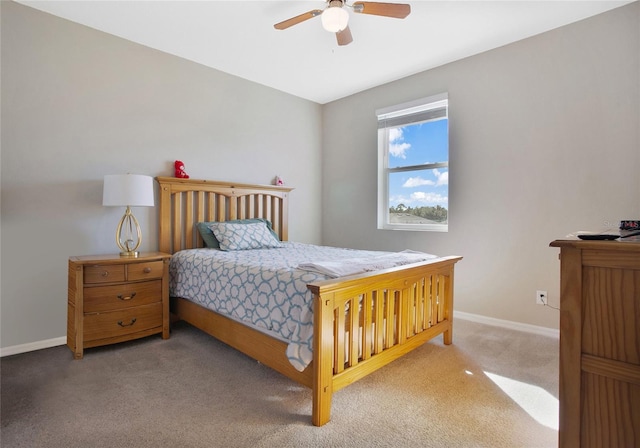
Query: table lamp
[{"x": 128, "y": 190}]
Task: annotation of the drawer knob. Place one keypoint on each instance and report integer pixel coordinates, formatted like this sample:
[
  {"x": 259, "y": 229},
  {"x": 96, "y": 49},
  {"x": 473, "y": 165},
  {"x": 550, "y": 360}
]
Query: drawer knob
[
  {"x": 129, "y": 297},
  {"x": 133, "y": 321},
  {"x": 146, "y": 270},
  {"x": 105, "y": 273}
]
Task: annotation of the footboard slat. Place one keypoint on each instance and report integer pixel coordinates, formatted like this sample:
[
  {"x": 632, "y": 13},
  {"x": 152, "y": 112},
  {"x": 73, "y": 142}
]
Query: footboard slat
[
  {"x": 418, "y": 297},
  {"x": 353, "y": 331},
  {"x": 389, "y": 308},
  {"x": 339, "y": 338},
  {"x": 433, "y": 295},
  {"x": 404, "y": 321},
  {"x": 367, "y": 325},
  {"x": 441, "y": 301},
  {"x": 379, "y": 322},
  {"x": 426, "y": 304}
]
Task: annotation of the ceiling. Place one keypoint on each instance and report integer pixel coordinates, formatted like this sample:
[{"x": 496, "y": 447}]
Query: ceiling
[{"x": 238, "y": 37}]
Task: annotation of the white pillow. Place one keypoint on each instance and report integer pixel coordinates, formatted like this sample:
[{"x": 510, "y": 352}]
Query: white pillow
[{"x": 236, "y": 236}]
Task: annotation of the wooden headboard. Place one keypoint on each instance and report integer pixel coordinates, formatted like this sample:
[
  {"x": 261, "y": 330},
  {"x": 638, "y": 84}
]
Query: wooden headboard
[{"x": 185, "y": 202}]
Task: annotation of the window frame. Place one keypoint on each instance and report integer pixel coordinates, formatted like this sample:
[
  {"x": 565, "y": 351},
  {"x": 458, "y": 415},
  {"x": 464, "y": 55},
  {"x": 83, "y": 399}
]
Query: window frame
[{"x": 414, "y": 112}]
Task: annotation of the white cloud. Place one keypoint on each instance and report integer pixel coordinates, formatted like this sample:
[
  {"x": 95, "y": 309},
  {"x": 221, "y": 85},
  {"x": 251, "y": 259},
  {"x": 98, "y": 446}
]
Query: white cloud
[
  {"x": 395, "y": 134},
  {"x": 417, "y": 182},
  {"x": 441, "y": 179},
  {"x": 428, "y": 198},
  {"x": 397, "y": 146},
  {"x": 399, "y": 150}
]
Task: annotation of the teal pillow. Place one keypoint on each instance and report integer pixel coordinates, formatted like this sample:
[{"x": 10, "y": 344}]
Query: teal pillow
[{"x": 210, "y": 239}]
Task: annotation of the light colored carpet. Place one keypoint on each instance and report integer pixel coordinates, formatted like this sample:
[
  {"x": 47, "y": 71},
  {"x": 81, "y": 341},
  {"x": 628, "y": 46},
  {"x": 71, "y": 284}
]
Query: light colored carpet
[{"x": 491, "y": 388}]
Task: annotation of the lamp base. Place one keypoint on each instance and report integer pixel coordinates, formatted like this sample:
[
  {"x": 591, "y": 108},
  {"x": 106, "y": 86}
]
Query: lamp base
[
  {"x": 124, "y": 235},
  {"x": 129, "y": 254}
]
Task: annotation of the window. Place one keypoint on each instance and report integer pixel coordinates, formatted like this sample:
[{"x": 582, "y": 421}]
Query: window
[{"x": 413, "y": 165}]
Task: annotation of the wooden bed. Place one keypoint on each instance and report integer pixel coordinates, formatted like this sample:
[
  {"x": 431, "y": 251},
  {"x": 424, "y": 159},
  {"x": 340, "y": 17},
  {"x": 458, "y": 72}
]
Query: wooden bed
[{"x": 361, "y": 322}]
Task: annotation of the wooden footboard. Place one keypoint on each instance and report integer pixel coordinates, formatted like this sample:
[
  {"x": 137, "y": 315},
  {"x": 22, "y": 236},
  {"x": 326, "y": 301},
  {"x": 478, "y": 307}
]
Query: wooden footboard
[{"x": 364, "y": 322}]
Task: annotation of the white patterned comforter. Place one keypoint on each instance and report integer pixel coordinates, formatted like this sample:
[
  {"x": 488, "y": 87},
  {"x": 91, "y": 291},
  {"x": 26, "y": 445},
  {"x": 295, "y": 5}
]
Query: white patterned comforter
[{"x": 263, "y": 288}]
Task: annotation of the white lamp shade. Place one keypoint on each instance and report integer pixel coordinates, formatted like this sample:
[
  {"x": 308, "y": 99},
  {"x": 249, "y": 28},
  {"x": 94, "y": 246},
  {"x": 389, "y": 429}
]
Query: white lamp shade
[
  {"x": 335, "y": 19},
  {"x": 134, "y": 190}
]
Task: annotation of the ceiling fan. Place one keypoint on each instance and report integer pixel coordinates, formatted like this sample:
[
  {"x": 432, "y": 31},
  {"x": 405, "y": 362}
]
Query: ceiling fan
[{"x": 335, "y": 17}]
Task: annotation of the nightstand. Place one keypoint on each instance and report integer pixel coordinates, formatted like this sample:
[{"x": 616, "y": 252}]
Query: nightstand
[{"x": 115, "y": 299}]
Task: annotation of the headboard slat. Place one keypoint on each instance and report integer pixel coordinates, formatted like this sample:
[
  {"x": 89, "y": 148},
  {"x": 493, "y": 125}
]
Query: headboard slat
[
  {"x": 211, "y": 200},
  {"x": 200, "y": 205},
  {"x": 220, "y": 211},
  {"x": 189, "y": 221}
]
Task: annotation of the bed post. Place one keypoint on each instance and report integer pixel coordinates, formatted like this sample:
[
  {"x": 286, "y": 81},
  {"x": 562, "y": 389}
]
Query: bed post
[
  {"x": 322, "y": 358},
  {"x": 164, "y": 225}
]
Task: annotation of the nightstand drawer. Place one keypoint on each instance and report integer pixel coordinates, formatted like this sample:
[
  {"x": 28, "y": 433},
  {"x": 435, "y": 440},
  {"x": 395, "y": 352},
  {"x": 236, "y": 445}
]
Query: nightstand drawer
[
  {"x": 142, "y": 271},
  {"x": 104, "y": 274},
  {"x": 108, "y": 298},
  {"x": 122, "y": 322}
]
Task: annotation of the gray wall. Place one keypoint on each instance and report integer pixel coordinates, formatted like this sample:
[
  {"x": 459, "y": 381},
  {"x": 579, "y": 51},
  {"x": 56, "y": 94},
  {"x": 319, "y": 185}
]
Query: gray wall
[
  {"x": 544, "y": 141},
  {"x": 78, "y": 104}
]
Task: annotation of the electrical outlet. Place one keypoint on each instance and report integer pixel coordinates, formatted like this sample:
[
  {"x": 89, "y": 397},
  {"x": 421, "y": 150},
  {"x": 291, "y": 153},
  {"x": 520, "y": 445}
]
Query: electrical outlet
[{"x": 541, "y": 297}]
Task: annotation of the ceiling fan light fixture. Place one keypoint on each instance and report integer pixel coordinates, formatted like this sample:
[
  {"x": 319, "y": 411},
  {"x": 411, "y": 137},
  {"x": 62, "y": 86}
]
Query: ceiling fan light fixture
[{"x": 335, "y": 18}]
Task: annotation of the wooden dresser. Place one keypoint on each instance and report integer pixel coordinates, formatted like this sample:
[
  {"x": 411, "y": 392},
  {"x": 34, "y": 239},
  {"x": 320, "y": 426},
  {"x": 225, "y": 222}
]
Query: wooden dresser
[
  {"x": 114, "y": 299},
  {"x": 599, "y": 343}
]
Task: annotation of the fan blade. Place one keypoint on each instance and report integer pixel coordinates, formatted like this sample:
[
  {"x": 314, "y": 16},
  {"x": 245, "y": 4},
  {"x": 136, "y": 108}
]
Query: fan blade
[
  {"x": 344, "y": 36},
  {"x": 297, "y": 19},
  {"x": 397, "y": 10}
]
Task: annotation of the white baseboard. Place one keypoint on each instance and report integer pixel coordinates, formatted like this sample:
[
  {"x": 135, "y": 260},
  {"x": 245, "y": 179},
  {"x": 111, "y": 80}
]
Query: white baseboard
[
  {"x": 543, "y": 331},
  {"x": 32, "y": 346},
  {"x": 527, "y": 328}
]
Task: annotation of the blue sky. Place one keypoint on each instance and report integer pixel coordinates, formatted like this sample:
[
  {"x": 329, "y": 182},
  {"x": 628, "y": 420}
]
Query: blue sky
[{"x": 416, "y": 145}]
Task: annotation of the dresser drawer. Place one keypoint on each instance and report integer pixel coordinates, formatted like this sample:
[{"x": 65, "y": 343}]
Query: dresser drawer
[
  {"x": 122, "y": 322},
  {"x": 104, "y": 274},
  {"x": 142, "y": 271},
  {"x": 109, "y": 298}
]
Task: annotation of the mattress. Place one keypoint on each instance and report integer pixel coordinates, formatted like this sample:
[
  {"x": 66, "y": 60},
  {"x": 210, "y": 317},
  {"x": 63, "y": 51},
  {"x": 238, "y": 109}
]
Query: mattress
[{"x": 264, "y": 288}]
